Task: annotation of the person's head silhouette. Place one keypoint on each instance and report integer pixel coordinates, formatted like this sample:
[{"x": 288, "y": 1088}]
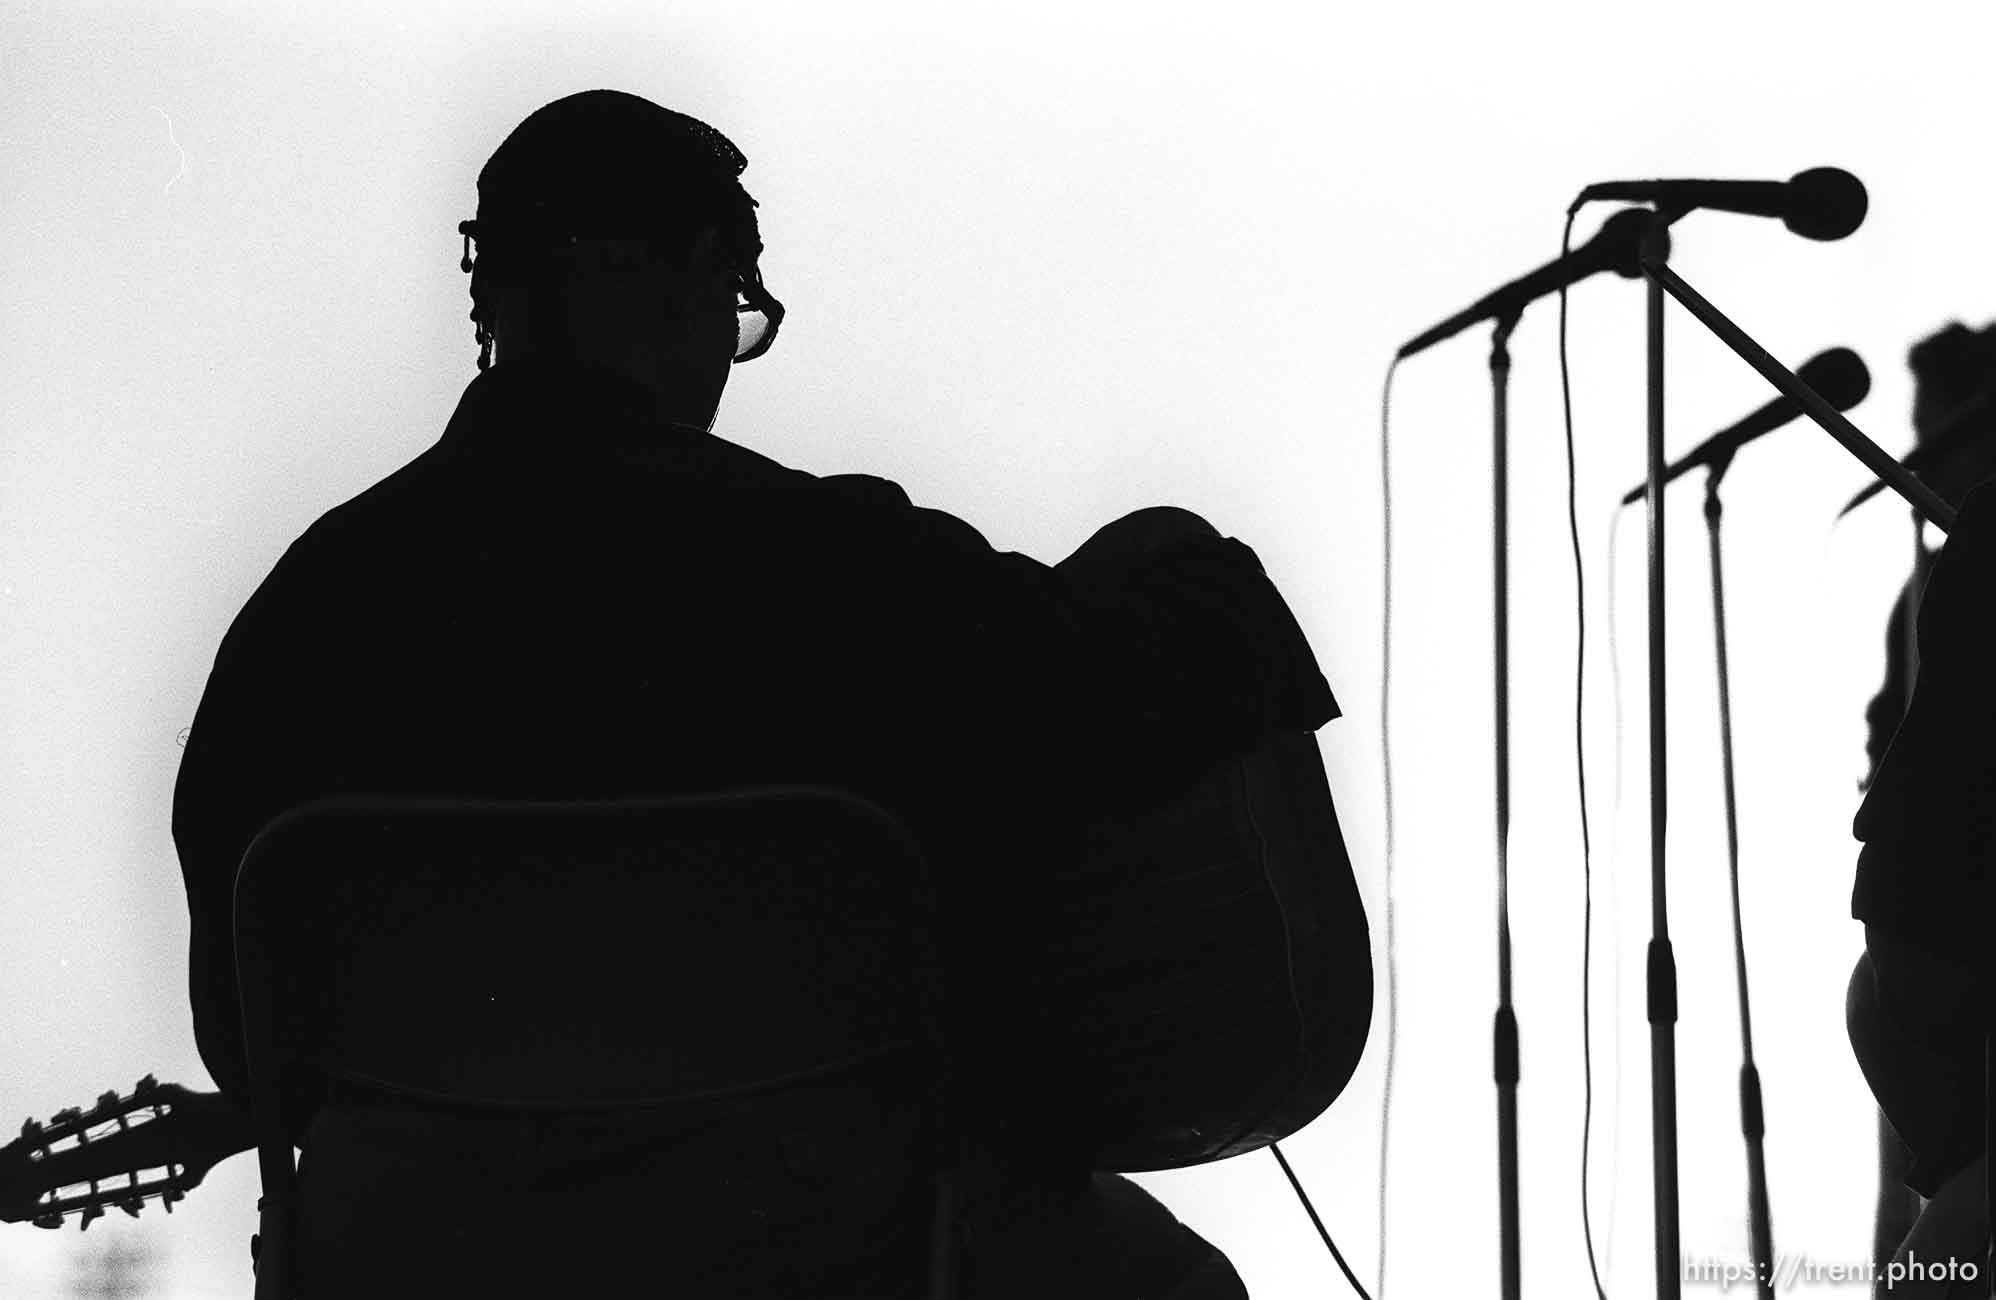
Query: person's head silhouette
[
  {"x": 1954, "y": 408},
  {"x": 614, "y": 232}
]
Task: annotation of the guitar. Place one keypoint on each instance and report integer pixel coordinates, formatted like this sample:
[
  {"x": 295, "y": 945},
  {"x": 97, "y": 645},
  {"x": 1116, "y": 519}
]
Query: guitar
[
  {"x": 81, "y": 1162},
  {"x": 1205, "y": 969},
  {"x": 1275, "y": 1024},
  {"x": 1208, "y": 967}
]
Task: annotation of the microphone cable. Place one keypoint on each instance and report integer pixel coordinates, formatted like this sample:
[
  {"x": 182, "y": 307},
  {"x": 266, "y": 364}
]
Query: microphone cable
[
  {"x": 1580, "y": 771},
  {"x": 1386, "y": 768},
  {"x": 1304, "y": 1197},
  {"x": 1615, "y": 856},
  {"x": 1386, "y": 790}
]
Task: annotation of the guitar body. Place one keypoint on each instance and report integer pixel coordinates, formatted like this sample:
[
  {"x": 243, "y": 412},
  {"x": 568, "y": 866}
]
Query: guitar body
[
  {"x": 1210, "y": 964},
  {"x": 1200, "y": 986},
  {"x": 1214, "y": 972}
]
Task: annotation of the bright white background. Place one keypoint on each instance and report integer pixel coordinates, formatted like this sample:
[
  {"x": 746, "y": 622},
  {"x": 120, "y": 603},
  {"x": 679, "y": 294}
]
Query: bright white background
[{"x": 1045, "y": 264}]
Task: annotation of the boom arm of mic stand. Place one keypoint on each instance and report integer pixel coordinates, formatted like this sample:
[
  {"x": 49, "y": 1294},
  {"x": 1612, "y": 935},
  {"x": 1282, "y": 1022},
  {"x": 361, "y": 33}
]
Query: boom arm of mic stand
[{"x": 1922, "y": 498}]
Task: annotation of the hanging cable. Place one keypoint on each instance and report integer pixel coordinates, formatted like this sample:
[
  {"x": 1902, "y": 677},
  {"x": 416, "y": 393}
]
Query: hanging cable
[
  {"x": 1386, "y": 770},
  {"x": 1580, "y": 773},
  {"x": 1615, "y": 856},
  {"x": 1386, "y": 784},
  {"x": 1312, "y": 1211}
]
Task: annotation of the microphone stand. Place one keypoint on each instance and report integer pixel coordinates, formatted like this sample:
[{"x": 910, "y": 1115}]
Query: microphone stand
[
  {"x": 1505, "y": 1030},
  {"x": 1662, "y": 966},
  {"x": 1662, "y": 970},
  {"x": 1924, "y": 500},
  {"x": 1909, "y": 634},
  {"x": 1752, "y": 1117},
  {"x": 1613, "y": 246}
]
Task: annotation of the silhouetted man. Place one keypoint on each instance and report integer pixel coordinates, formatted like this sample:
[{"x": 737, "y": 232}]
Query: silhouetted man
[
  {"x": 1921, "y": 999},
  {"x": 579, "y": 592},
  {"x": 1954, "y": 430}
]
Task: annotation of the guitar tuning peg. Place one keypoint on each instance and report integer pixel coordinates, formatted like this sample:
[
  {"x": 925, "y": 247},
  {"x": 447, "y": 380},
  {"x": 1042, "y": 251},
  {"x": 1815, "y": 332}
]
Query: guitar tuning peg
[
  {"x": 90, "y": 1212},
  {"x": 50, "y": 1220},
  {"x": 145, "y": 1086},
  {"x": 131, "y": 1205},
  {"x": 108, "y": 1099},
  {"x": 31, "y": 1130},
  {"x": 67, "y": 1115}
]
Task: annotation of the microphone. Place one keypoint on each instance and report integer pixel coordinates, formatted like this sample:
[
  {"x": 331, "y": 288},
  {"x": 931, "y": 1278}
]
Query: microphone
[
  {"x": 1838, "y": 376},
  {"x": 1821, "y": 203},
  {"x": 1616, "y": 247}
]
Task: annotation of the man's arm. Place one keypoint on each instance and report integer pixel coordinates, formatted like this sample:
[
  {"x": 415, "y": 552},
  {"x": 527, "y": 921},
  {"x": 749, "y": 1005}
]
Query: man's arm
[
  {"x": 1107, "y": 681},
  {"x": 1928, "y": 822},
  {"x": 1919, "y": 1004}
]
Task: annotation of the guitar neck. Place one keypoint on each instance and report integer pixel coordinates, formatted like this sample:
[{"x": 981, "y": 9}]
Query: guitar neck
[{"x": 154, "y": 1144}]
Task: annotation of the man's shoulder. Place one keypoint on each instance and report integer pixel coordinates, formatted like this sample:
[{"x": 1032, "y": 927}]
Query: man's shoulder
[
  {"x": 850, "y": 519},
  {"x": 393, "y": 495},
  {"x": 752, "y": 470},
  {"x": 863, "y": 506},
  {"x": 332, "y": 548},
  {"x": 881, "y": 499},
  {"x": 866, "y": 490}
]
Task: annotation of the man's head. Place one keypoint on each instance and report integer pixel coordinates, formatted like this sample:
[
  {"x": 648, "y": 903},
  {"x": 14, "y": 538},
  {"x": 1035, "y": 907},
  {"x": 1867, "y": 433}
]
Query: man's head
[
  {"x": 613, "y": 231},
  {"x": 1954, "y": 408}
]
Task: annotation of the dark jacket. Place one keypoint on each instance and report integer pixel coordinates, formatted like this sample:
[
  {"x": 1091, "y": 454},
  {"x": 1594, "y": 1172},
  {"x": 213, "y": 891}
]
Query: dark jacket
[
  {"x": 1928, "y": 821},
  {"x": 563, "y": 598}
]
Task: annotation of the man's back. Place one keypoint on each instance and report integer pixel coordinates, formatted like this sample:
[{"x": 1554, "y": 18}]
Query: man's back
[{"x": 562, "y": 599}]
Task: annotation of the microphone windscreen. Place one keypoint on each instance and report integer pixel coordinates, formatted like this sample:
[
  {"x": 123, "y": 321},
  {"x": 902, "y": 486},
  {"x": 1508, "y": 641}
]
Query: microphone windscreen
[
  {"x": 1825, "y": 203},
  {"x": 1619, "y": 242},
  {"x": 1839, "y": 376}
]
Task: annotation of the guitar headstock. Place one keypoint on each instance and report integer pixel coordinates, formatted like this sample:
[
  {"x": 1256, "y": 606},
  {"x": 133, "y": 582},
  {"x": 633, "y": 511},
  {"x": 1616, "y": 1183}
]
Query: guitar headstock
[{"x": 157, "y": 1142}]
